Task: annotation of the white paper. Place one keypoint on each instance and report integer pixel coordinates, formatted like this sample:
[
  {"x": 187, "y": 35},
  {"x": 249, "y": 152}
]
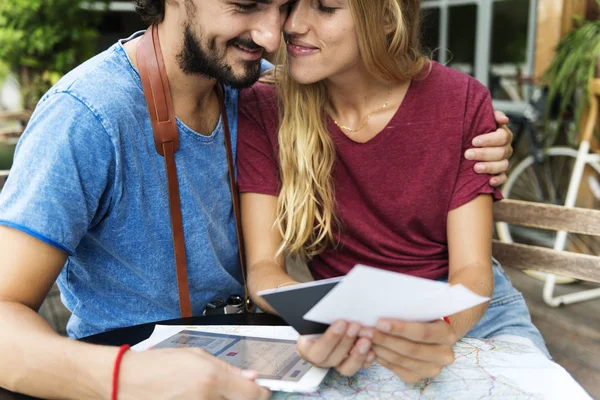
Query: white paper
[{"x": 367, "y": 294}]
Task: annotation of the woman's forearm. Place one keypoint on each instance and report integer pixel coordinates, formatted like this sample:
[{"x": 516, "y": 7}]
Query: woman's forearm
[
  {"x": 475, "y": 279},
  {"x": 39, "y": 362},
  {"x": 266, "y": 275}
]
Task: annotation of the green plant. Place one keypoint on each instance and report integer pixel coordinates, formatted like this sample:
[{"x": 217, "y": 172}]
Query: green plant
[
  {"x": 40, "y": 40},
  {"x": 4, "y": 71},
  {"x": 573, "y": 67}
]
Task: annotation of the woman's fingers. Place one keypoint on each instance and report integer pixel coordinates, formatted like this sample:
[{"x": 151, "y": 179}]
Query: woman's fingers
[
  {"x": 357, "y": 358},
  {"x": 330, "y": 345}
]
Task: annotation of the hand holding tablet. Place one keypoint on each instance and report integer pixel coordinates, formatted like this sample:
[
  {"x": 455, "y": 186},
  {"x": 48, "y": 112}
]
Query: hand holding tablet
[{"x": 270, "y": 351}]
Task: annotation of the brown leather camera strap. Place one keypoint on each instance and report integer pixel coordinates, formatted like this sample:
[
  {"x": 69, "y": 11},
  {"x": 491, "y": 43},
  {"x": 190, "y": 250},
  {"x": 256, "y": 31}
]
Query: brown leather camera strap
[
  {"x": 166, "y": 139},
  {"x": 235, "y": 198}
]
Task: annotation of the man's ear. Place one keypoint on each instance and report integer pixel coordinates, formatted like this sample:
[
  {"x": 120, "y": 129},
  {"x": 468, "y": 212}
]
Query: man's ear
[
  {"x": 173, "y": 3},
  {"x": 178, "y": 9}
]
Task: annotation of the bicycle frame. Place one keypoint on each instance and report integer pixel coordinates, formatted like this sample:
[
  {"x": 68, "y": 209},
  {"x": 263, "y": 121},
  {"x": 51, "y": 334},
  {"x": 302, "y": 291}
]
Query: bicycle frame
[
  {"x": 540, "y": 167},
  {"x": 535, "y": 144},
  {"x": 583, "y": 157}
]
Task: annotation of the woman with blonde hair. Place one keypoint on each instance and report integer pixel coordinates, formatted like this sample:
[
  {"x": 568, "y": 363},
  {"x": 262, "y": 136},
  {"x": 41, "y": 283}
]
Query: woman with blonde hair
[{"x": 355, "y": 156}]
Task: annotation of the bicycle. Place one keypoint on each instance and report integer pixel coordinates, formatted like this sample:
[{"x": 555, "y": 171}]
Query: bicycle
[{"x": 556, "y": 175}]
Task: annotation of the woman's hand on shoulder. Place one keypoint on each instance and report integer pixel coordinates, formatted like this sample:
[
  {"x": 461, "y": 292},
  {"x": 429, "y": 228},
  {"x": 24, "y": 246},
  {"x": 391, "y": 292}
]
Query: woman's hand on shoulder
[
  {"x": 339, "y": 347},
  {"x": 184, "y": 374},
  {"x": 413, "y": 350}
]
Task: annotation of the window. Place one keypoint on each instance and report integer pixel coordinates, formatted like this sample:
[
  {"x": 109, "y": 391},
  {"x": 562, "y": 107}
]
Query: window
[
  {"x": 462, "y": 29},
  {"x": 492, "y": 40},
  {"x": 508, "y": 56}
]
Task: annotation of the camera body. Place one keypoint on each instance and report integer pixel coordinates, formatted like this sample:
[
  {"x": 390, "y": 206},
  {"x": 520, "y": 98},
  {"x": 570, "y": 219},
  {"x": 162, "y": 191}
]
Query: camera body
[{"x": 233, "y": 305}]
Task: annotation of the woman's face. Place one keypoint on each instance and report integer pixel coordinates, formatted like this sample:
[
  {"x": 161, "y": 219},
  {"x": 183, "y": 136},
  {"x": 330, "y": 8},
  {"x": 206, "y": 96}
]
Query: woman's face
[{"x": 321, "y": 40}]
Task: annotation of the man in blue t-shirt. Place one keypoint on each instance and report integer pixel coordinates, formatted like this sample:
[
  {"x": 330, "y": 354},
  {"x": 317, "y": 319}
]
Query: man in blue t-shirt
[{"x": 87, "y": 204}]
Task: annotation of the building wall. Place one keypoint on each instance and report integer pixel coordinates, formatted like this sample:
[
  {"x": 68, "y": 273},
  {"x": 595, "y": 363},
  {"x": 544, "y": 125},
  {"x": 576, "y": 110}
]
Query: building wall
[{"x": 555, "y": 19}]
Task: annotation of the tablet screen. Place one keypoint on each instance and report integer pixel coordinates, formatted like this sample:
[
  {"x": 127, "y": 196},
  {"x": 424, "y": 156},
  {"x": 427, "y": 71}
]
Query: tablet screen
[{"x": 274, "y": 359}]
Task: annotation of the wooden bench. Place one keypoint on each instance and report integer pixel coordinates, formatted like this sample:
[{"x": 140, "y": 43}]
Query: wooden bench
[
  {"x": 558, "y": 218},
  {"x": 3, "y": 176},
  {"x": 16, "y": 121}
]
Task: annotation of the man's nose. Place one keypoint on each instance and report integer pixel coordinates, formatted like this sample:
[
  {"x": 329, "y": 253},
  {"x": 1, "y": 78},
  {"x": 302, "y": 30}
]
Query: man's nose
[{"x": 267, "y": 33}]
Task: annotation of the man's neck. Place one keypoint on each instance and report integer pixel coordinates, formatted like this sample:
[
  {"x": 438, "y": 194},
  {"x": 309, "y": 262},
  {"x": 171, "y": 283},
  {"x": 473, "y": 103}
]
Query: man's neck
[{"x": 194, "y": 99}]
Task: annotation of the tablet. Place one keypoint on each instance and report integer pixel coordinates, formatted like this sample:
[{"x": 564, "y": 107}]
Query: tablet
[
  {"x": 293, "y": 302},
  {"x": 279, "y": 366}
]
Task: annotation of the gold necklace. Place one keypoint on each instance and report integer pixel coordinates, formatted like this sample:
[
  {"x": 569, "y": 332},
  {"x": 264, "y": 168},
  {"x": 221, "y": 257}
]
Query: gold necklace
[{"x": 352, "y": 130}]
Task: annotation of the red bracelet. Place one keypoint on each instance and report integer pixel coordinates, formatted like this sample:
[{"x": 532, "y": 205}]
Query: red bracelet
[
  {"x": 115, "y": 381},
  {"x": 447, "y": 320}
]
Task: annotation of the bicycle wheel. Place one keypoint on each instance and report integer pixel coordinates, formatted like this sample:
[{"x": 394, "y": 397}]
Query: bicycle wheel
[{"x": 527, "y": 184}]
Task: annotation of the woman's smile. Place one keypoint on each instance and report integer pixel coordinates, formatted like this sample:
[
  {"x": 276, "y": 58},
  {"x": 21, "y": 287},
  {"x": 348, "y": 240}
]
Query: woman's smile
[{"x": 297, "y": 48}]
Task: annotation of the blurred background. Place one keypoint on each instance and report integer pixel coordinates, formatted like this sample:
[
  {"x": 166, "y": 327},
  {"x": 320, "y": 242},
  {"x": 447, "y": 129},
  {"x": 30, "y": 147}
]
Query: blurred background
[{"x": 537, "y": 57}]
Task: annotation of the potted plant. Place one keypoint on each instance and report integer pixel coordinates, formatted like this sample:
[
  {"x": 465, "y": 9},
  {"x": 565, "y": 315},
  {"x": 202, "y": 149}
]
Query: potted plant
[
  {"x": 575, "y": 64},
  {"x": 40, "y": 40}
]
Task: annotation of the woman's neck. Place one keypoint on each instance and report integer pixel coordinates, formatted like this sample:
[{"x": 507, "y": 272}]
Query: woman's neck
[
  {"x": 361, "y": 105},
  {"x": 356, "y": 93}
]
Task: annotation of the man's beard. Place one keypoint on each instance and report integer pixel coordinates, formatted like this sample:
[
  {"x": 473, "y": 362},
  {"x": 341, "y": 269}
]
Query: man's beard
[{"x": 195, "y": 60}]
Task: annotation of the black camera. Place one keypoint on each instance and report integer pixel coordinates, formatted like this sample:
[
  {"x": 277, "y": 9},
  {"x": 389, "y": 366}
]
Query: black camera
[{"x": 233, "y": 305}]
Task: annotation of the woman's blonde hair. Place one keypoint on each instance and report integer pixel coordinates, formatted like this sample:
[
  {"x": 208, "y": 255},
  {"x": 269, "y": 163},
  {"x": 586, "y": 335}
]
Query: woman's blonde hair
[{"x": 388, "y": 40}]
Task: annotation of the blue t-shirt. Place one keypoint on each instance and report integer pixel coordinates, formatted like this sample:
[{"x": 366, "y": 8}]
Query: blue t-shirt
[{"x": 87, "y": 179}]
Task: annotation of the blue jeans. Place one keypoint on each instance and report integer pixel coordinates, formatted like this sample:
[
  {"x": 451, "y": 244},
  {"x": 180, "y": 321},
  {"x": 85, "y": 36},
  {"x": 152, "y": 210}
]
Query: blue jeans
[{"x": 507, "y": 314}]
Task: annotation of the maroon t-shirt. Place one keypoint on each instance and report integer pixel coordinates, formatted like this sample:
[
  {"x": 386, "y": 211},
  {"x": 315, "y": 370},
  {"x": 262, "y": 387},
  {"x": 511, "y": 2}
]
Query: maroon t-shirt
[{"x": 394, "y": 192}]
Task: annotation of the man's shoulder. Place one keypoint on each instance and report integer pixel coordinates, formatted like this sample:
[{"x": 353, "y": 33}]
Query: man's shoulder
[
  {"x": 112, "y": 65},
  {"x": 107, "y": 83}
]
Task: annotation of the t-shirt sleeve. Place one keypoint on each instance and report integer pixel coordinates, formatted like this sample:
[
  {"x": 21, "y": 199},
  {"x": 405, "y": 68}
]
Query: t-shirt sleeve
[
  {"x": 60, "y": 183},
  {"x": 257, "y": 159},
  {"x": 265, "y": 65},
  {"x": 479, "y": 119}
]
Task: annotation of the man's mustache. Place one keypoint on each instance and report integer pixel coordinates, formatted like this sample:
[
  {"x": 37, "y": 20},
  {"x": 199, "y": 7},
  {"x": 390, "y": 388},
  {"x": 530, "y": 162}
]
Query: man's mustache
[{"x": 246, "y": 43}]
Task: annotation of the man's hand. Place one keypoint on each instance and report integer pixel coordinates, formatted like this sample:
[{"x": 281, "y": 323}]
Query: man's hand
[
  {"x": 338, "y": 348},
  {"x": 185, "y": 374},
  {"x": 413, "y": 350},
  {"x": 494, "y": 150}
]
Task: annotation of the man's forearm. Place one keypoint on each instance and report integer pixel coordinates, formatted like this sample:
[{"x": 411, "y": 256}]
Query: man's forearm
[
  {"x": 266, "y": 275},
  {"x": 482, "y": 284},
  {"x": 39, "y": 362}
]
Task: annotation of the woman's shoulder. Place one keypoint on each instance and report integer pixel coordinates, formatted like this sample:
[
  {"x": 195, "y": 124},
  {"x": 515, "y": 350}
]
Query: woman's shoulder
[
  {"x": 259, "y": 95},
  {"x": 258, "y": 107},
  {"x": 448, "y": 83}
]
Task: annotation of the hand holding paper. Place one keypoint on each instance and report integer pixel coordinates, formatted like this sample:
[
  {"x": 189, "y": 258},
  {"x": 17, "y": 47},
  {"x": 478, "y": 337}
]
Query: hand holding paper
[
  {"x": 404, "y": 341},
  {"x": 367, "y": 294},
  {"x": 400, "y": 306}
]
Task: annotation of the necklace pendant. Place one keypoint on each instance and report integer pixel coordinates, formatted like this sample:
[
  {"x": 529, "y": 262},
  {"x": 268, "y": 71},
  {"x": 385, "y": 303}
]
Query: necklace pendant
[{"x": 354, "y": 130}]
